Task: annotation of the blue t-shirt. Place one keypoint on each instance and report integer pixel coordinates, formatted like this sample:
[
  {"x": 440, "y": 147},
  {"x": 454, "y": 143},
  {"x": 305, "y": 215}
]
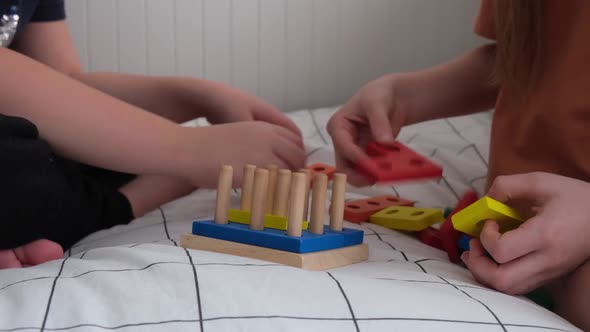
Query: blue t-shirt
[{"x": 33, "y": 11}]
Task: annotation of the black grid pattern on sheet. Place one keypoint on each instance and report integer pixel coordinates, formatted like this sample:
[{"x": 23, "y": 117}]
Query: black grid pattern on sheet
[{"x": 201, "y": 321}]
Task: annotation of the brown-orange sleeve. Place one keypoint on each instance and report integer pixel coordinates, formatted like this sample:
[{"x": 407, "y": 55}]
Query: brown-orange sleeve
[{"x": 485, "y": 25}]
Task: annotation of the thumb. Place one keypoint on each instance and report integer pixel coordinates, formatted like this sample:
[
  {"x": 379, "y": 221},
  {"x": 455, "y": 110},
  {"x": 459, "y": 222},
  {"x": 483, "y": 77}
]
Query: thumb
[
  {"x": 530, "y": 187},
  {"x": 380, "y": 125}
]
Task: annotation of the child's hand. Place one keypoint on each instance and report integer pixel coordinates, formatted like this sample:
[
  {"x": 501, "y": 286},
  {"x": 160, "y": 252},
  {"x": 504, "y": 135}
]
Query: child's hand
[
  {"x": 226, "y": 104},
  {"x": 241, "y": 143},
  {"x": 549, "y": 245},
  {"x": 375, "y": 113}
]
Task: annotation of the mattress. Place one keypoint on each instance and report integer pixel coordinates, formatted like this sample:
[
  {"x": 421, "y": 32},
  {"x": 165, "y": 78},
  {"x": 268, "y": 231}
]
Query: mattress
[{"x": 137, "y": 278}]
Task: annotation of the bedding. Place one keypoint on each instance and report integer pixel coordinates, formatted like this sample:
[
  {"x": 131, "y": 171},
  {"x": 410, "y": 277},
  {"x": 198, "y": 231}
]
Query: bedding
[{"x": 136, "y": 278}]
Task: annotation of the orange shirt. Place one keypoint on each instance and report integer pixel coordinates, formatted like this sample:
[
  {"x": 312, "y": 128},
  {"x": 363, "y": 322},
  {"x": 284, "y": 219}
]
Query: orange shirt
[{"x": 550, "y": 131}]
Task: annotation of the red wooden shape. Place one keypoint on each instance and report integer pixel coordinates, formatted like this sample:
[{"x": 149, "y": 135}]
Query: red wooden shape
[
  {"x": 396, "y": 162},
  {"x": 431, "y": 237},
  {"x": 360, "y": 210},
  {"x": 449, "y": 236},
  {"x": 318, "y": 168}
]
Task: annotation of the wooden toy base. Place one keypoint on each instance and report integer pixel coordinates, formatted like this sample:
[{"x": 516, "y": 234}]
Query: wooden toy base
[{"x": 316, "y": 261}]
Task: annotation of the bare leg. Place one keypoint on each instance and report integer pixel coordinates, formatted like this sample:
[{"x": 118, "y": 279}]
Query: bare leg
[
  {"x": 148, "y": 192},
  {"x": 572, "y": 297}
]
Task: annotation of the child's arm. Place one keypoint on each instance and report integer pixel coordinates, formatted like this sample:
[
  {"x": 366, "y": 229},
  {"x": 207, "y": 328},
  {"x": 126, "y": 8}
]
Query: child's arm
[
  {"x": 90, "y": 126},
  {"x": 382, "y": 107},
  {"x": 84, "y": 124},
  {"x": 178, "y": 99},
  {"x": 462, "y": 86}
]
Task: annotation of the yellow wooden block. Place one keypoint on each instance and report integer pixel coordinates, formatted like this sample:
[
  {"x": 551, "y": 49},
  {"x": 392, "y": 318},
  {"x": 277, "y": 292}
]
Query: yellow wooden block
[
  {"x": 471, "y": 219},
  {"x": 315, "y": 261},
  {"x": 407, "y": 218},
  {"x": 270, "y": 221}
]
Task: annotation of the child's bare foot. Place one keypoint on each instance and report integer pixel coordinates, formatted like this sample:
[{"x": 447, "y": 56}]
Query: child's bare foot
[{"x": 34, "y": 253}]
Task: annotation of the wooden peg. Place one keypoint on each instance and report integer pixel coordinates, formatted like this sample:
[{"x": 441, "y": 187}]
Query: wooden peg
[
  {"x": 308, "y": 178},
  {"x": 224, "y": 184},
  {"x": 281, "y": 199},
  {"x": 248, "y": 182},
  {"x": 272, "y": 184},
  {"x": 295, "y": 220},
  {"x": 258, "y": 209},
  {"x": 337, "y": 204},
  {"x": 318, "y": 203}
]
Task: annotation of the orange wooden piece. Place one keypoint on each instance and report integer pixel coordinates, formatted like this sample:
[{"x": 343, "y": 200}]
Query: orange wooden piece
[
  {"x": 319, "y": 168},
  {"x": 360, "y": 210}
]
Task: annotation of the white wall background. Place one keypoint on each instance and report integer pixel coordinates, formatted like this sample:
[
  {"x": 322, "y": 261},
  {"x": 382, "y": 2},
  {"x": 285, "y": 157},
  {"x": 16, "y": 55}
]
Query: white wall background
[{"x": 294, "y": 53}]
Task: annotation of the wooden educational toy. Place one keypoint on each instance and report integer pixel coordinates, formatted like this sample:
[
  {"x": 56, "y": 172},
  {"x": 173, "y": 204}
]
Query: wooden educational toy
[
  {"x": 431, "y": 237},
  {"x": 319, "y": 168},
  {"x": 407, "y": 218},
  {"x": 463, "y": 243},
  {"x": 449, "y": 236},
  {"x": 277, "y": 218},
  {"x": 361, "y": 210},
  {"x": 471, "y": 219},
  {"x": 396, "y": 162},
  {"x": 318, "y": 247}
]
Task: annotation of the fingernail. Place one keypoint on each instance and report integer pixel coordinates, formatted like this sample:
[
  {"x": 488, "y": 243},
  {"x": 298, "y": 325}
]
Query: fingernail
[{"x": 464, "y": 256}]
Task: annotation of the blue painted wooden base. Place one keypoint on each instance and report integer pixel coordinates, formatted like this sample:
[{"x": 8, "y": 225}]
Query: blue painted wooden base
[{"x": 277, "y": 239}]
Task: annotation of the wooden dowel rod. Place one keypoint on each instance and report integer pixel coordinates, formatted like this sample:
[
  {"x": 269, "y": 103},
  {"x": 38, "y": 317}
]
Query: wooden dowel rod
[
  {"x": 247, "y": 183},
  {"x": 224, "y": 185},
  {"x": 281, "y": 199},
  {"x": 337, "y": 204},
  {"x": 258, "y": 209},
  {"x": 295, "y": 220},
  {"x": 272, "y": 184},
  {"x": 318, "y": 203}
]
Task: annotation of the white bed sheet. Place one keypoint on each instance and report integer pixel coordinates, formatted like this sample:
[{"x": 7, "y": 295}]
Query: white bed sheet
[{"x": 136, "y": 278}]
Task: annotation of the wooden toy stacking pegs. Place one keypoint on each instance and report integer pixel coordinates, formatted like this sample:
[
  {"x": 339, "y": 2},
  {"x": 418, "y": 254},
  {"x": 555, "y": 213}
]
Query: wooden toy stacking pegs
[
  {"x": 259, "y": 197},
  {"x": 318, "y": 202},
  {"x": 248, "y": 183},
  {"x": 319, "y": 248},
  {"x": 223, "y": 194}
]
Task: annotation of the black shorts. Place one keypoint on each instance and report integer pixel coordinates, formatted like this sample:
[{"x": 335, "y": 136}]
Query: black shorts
[{"x": 44, "y": 196}]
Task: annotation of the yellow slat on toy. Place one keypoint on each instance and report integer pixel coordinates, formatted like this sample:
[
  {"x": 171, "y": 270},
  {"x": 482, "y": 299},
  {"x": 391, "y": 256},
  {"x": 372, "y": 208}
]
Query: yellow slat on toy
[
  {"x": 407, "y": 218},
  {"x": 472, "y": 219},
  {"x": 270, "y": 221}
]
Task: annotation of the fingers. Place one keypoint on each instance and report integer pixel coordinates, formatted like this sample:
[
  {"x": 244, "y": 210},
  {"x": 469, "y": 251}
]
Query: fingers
[
  {"x": 353, "y": 176},
  {"x": 516, "y": 277},
  {"x": 267, "y": 113},
  {"x": 530, "y": 186},
  {"x": 512, "y": 244},
  {"x": 479, "y": 263},
  {"x": 344, "y": 135},
  {"x": 292, "y": 155},
  {"x": 380, "y": 125},
  {"x": 397, "y": 121},
  {"x": 517, "y": 265},
  {"x": 289, "y": 135},
  {"x": 525, "y": 274}
]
